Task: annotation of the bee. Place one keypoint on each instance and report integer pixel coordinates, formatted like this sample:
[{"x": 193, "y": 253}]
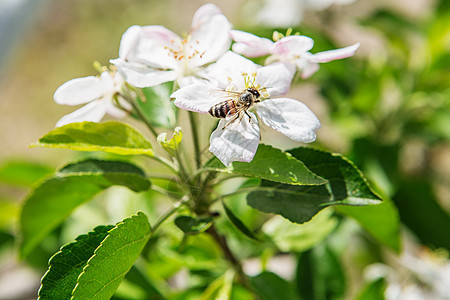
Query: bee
[{"x": 237, "y": 106}]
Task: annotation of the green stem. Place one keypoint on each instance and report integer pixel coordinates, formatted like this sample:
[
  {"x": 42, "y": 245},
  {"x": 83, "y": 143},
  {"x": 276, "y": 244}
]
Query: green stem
[
  {"x": 167, "y": 215},
  {"x": 193, "y": 119},
  {"x": 138, "y": 111},
  {"x": 165, "y": 162}
]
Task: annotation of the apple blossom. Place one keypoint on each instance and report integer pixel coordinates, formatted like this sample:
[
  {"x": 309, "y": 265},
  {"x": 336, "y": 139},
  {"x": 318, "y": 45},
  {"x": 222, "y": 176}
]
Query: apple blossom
[
  {"x": 96, "y": 92},
  {"x": 151, "y": 55},
  {"x": 233, "y": 74},
  {"x": 293, "y": 50}
]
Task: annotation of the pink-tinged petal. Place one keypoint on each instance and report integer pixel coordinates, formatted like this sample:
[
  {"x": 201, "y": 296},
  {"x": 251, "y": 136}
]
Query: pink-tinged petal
[
  {"x": 306, "y": 66},
  {"x": 237, "y": 142},
  {"x": 249, "y": 44},
  {"x": 326, "y": 56},
  {"x": 229, "y": 69},
  {"x": 290, "y": 117},
  {"x": 204, "y": 14},
  {"x": 291, "y": 46},
  {"x": 92, "y": 112},
  {"x": 197, "y": 97},
  {"x": 276, "y": 78},
  {"x": 79, "y": 91},
  {"x": 209, "y": 41},
  {"x": 154, "y": 46},
  {"x": 141, "y": 76}
]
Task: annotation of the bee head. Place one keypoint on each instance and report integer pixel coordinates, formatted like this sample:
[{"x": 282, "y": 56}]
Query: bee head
[{"x": 254, "y": 92}]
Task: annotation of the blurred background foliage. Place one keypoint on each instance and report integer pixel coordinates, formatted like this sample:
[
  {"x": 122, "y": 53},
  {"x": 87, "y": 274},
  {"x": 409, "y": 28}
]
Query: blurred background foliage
[{"x": 387, "y": 109}]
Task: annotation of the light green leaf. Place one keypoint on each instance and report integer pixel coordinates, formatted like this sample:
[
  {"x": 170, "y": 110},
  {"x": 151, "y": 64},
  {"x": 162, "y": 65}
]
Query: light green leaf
[
  {"x": 23, "y": 173},
  {"x": 374, "y": 290},
  {"x": 113, "y": 259},
  {"x": 51, "y": 202},
  {"x": 113, "y": 137},
  {"x": 290, "y": 237},
  {"x": 67, "y": 264},
  {"x": 271, "y": 164},
  {"x": 157, "y": 107},
  {"x": 381, "y": 221},
  {"x": 346, "y": 186}
]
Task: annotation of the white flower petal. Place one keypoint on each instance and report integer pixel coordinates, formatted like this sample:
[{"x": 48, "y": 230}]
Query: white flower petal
[
  {"x": 113, "y": 110},
  {"x": 141, "y": 76},
  {"x": 293, "y": 45},
  {"x": 229, "y": 69},
  {"x": 197, "y": 97},
  {"x": 153, "y": 46},
  {"x": 290, "y": 117},
  {"x": 210, "y": 39},
  {"x": 249, "y": 44},
  {"x": 204, "y": 14},
  {"x": 306, "y": 66},
  {"x": 330, "y": 55},
  {"x": 79, "y": 91},
  {"x": 276, "y": 78},
  {"x": 93, "y": 112},
  {"x": 237, "y": 142},
  {"x": 281, "y": 13}
]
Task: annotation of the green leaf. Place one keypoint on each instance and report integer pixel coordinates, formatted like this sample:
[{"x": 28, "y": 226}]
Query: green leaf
[
  {"x": 320, "y": 275},
  {"x": 51, "y": 202},
  {"x": 271, "y": 164},
  {"x": 157, "y": 108},
  {"x": 270, "y": 286},
  {"x": 290, "y": 237},
  {"x": 67, "y": 264},
  {"x": 346, "y": 186},
  {"x": 22, "y": 173},
  {"x": 381, "y": 221},
  {"x": 113, "y": 137},
  {"x": 238, "y": 223},
  {"x": 373, "y": 291},
  {"x": 190, "y": 225},
  {"x": 113, "y": 259}
]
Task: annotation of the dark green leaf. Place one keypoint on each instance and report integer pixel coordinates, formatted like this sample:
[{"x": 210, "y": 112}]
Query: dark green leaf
[
  {"x": 157, "y": 107},
  {"x": 320, "y": 275},
  {"x": 421, "y": 213},
  {"x": 190, "y": 225},
  {"x": 113, "y": 259},
  {"x": 51, "y": 202},
  {"x": 113, "y": 137},
  {"x": 67, "y": 264},
  {"x": 346, "y": 186},
  {"x": 270, "y": 286},
  {"x": 22, "y": 173},
  {"x": 238, "y": 223},
  {"x": 271, "y": 164}
]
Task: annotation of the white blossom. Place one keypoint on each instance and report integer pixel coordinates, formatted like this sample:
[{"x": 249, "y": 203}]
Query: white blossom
[
  {"x": 96, "y": 92},
  {"x": 292, "y": 50},
  {"x": 238, "y": 139},
  {"x": 151, "y": 55}
]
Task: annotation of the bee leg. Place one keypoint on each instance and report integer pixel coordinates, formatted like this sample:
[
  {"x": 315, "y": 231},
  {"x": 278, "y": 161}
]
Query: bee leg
[
  {"x": 249, "y": 117},
  {"x": 231, "y": 121}
]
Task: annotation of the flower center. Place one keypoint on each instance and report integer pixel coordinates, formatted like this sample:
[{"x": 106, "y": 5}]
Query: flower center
[
  {"x": 184, "y": 49},
  {"x": 249, "y": 83}
]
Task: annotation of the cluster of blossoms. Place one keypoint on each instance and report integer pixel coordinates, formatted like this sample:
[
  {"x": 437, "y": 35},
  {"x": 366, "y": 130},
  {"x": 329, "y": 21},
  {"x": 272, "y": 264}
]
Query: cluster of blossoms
[{"x": 209, "y": 77}]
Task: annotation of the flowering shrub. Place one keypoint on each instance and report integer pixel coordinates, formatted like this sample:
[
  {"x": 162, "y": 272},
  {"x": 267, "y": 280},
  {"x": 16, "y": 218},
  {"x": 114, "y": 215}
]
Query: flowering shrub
[{"x": 158, "y": 76}]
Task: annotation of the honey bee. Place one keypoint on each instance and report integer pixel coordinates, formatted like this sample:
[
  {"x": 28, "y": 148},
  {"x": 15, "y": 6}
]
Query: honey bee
[{"x": 237, "y": 106}]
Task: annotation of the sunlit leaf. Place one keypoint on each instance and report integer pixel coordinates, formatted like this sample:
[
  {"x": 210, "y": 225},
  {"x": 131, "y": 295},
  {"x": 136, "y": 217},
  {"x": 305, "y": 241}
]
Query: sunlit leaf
[
  {"x": 271, "y": 164},
  {"x": 113, "y": 258},
  {"x": 51, "y": 202},
  {"x": 113, "y": 137},
  {"x": 346, "y": 186},
  {"x": 67, "y": 264},
  {"x": 23, "y": 173}
]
